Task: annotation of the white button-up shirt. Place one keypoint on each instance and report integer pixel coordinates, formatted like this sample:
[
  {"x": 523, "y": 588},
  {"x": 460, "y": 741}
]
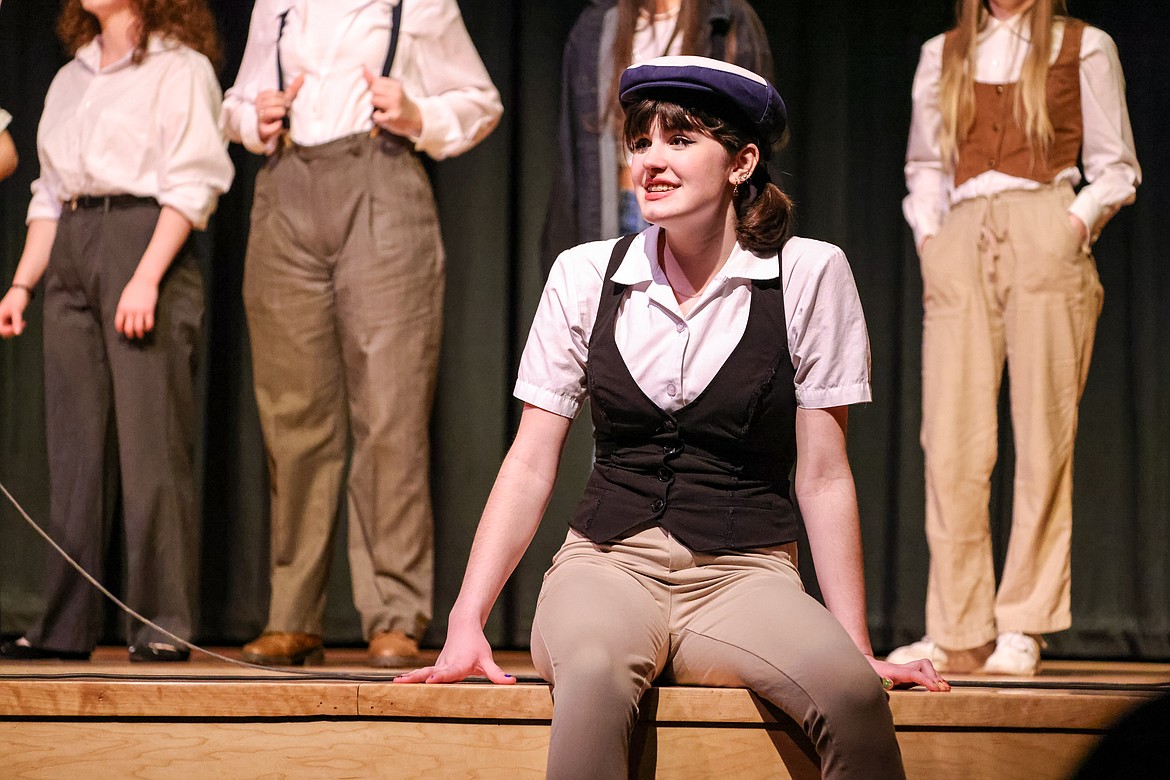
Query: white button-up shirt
[
  {"x": 1108, "y": 154},
  {"x": 673, "y": 356},
  {"x": 5, "y": 120},
  {"x": 329, "y": 42},
  {"x": 150, "y": 130}
]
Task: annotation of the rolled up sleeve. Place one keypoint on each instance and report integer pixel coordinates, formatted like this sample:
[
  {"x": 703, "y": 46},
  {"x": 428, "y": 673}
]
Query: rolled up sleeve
[
  {"x": 446, "y": 78},
  {"x": 196, "y": 168},
  {"x": 257, "y": 73}
]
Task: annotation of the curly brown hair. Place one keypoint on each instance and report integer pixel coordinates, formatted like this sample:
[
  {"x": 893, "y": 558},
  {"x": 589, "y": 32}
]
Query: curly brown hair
[{"x": 187, "y": 21}]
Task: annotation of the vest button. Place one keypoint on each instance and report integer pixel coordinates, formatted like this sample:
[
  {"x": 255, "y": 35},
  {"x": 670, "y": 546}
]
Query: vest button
[
  {"x": 991, "y": 163},
  {"x": 658, "y": 505},
  {"x": 664, "y": 474},
  {"x": 999, "y": 89},
  {"x": 670, "y": 425},
  {"x": 996, "y": 127}
]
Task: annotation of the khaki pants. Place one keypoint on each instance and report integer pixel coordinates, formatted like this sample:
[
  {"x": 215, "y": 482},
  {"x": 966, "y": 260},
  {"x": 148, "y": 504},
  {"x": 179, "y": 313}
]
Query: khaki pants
[
  {"x": 612, "y": 617},
  {"x": 95, "y": 376},
  {"x": 1005, "y": 278},
  {"x": 343, "y": 290}
]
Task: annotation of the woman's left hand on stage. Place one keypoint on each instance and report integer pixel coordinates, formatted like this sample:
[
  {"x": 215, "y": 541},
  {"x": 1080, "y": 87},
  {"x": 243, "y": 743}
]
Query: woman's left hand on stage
[
  {"x": 466, "y": 652},
  {"x": 135, "y": 315},
  {"x": 921, "y": 672}
]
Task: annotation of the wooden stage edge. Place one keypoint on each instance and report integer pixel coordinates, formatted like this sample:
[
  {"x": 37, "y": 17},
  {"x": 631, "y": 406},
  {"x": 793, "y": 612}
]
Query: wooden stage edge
[{"x": 209, "y": 719}]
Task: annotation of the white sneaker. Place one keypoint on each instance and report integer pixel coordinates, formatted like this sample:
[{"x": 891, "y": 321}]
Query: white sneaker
[
  {"x": 923, "y": 648},
  {"x": 1016, "y": 654}
]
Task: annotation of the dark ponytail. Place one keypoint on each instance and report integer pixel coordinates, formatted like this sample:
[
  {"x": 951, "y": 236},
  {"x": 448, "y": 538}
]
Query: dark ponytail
[{"x": 764, "y": 215}]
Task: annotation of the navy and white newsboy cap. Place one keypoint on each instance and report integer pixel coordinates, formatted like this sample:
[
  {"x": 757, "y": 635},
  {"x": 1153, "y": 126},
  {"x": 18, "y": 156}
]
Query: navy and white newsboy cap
[{"x": 747, "y": 92}]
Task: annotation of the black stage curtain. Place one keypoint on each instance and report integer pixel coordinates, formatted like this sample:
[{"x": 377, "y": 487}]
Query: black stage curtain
[{"x": 845, "y": 69}]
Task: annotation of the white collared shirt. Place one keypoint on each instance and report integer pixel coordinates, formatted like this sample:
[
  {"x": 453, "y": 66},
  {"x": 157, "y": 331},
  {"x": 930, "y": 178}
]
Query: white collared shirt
[
  {"x": 5, "y": 120},
  {"x": 673, "y": 356},
  {"x": 1108, "y": 154},
  {"x": 330, "y": 42},
  {"x": 150, "y": 130}
]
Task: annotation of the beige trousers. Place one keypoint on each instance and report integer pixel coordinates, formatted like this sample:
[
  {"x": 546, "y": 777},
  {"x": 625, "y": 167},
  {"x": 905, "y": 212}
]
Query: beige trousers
[
  {"x": 1005, "y": 278},
  {"x": 613, "y": 617},
  {"x": 343, "y": 289}
]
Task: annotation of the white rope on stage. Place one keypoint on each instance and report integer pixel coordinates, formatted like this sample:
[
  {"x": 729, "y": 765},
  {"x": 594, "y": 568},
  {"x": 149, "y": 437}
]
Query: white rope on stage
[{"x": 177, "y": 639}]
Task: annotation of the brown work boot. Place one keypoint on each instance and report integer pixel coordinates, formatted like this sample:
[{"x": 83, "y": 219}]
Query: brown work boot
[
  {"x": 393, "y": 649},
  {"x": 285, "y": 648}
]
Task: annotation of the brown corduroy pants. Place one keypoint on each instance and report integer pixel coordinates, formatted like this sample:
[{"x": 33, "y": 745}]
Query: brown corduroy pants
[
  {"x": 1006, "y": 278},
  {"x": 343, "y": 289}
]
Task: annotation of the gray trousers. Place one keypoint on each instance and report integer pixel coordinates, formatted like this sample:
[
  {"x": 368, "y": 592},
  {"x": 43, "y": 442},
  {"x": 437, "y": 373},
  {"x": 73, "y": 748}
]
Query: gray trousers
[
  {"x": 343, "y": 289},
  {"x": 94, "y": 376},
  {"x": 613, "y": 617}
]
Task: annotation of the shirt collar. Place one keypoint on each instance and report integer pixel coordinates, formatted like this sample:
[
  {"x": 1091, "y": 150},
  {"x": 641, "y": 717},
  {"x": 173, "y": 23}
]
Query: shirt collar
[
  {"x": 90, "y": 55},
  {"x": 1013, "y": 26},
  {"x": 640, "y": 264}
]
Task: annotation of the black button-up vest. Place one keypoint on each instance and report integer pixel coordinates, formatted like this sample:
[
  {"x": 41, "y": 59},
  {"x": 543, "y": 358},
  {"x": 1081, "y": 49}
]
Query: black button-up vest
[{"x": 714, "y": 473}]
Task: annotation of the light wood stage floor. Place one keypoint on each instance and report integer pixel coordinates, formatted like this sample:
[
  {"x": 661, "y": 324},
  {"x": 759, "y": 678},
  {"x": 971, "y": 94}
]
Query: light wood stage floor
[{"x": 209, "y": 719}]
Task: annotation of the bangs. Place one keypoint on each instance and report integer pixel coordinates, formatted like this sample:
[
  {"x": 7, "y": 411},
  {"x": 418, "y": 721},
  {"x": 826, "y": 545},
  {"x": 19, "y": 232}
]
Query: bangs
[
  {"x": 701, "y": 114},
  {"x": 642, "y": 117}
]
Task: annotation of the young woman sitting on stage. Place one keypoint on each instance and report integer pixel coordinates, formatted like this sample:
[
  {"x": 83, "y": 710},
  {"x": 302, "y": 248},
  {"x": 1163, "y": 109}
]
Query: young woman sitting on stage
[
  {"x": 717, "y": 353},
  {"x": 132, "y": 160}
]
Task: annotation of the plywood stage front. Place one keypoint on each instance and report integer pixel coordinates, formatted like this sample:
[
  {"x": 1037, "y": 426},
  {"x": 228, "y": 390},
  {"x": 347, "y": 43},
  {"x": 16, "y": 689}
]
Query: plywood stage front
[{"x": 209, "y": 719}]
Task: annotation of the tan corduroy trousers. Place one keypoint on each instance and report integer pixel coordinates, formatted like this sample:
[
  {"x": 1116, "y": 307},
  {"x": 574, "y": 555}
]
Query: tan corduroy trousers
[
  {"x": 343, "y": 290},
  {"x": 612, "y": 617},
  {"x": 1005, "y": 278}
]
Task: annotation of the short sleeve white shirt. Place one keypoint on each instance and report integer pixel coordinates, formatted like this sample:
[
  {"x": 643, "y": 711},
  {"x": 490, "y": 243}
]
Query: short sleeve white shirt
[{"x": 673, "y": 356}]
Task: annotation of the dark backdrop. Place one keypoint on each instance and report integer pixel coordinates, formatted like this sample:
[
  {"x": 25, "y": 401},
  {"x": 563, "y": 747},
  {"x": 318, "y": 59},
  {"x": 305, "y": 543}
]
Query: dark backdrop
[{"x": 845, "y": 69}]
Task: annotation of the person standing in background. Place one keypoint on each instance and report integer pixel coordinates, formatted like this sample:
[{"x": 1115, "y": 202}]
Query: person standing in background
[
  {"x": 343, "y": 289},
  {"x": 1004, "y": 105},
  {"x": 132, "y": 160},
  {"x": 592, "y": 194}
]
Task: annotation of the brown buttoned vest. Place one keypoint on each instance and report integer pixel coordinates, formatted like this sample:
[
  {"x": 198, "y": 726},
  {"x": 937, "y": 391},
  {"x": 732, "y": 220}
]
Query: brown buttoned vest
[{"x": 997, "y": 140}]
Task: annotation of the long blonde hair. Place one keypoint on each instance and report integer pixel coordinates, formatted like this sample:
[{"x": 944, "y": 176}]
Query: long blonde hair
[{"x": 957, "y": 85}]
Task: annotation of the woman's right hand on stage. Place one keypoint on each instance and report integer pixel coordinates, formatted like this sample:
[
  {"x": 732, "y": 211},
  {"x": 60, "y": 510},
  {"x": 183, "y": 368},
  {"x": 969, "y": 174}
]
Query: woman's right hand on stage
[
  {"x": 466, "y": 652},
  {"x": 12, "y": 307},
  {"x": 273, "y": 106}
]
